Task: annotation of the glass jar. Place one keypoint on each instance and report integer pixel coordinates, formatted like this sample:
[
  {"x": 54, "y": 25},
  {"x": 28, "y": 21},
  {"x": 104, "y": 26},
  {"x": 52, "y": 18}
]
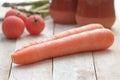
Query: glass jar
[
  {"x": 95, "y": 11},
  {"x": 63, "y": 11}
]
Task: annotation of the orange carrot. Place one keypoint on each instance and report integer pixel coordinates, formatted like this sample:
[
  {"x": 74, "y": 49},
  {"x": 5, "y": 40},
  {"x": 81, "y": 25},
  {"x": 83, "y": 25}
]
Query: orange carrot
[
  {"x": 93, "y": 40},
  {"x": 68, "y": 33}
]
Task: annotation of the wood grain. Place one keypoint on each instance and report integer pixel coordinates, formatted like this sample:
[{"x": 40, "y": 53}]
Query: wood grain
[
  {"x": 73, "y": 67},
  {"x": 38, "y": 71}
]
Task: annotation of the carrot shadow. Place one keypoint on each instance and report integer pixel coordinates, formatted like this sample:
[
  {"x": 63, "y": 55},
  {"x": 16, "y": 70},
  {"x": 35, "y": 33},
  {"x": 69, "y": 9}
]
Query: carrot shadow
[
  {"x": 103, "y": 53},
  {"x": 107, "y": 51},
  {"x": 33, "y": 65}
]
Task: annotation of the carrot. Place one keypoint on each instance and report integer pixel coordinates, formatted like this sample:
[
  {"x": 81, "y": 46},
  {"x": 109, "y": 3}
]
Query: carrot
[
  {"x": 93, "y": 40},
  {"x": 68, "y": 33}
]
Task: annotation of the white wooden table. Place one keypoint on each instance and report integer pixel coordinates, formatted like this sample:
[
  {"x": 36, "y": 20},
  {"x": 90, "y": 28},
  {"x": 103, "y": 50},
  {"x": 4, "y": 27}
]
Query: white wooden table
[{"x": 99, "y": 65}]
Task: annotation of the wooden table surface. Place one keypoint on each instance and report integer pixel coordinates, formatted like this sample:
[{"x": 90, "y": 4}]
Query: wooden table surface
[{"x": 99, "y": 65}]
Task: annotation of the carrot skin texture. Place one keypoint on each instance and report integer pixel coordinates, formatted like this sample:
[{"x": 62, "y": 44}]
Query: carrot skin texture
[
  {"x": 93, "y": 40},
  {"x": 68, "y": 33}
]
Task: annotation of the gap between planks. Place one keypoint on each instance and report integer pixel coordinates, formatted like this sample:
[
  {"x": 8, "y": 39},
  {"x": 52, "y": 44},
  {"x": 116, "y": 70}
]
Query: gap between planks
[
  {"x": 94, "y": 66},
  {"x": 53, "y": 58},
  {"x": 107, "y": 61},
  {"x": 6, "y": 48},
  {"x": 73, "y": 67},
  {"x": 37, "y": 71}
]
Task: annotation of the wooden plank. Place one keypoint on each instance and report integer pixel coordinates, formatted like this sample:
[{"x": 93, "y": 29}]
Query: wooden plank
[
  {"x": 116, "y": 27},
  {"x": 6, "y": 48},
  {"x": 108, "y": 62},
  {"x": 73, "y": 67},
  {"x": 38, "y": 71}
]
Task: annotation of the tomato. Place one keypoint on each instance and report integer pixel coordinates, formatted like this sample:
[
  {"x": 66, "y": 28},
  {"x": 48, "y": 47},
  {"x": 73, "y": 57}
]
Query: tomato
[
  {"x": 12, "y": 27},
  {"x": 35, "y": 24},
  {"x": 14, "y": 12}
]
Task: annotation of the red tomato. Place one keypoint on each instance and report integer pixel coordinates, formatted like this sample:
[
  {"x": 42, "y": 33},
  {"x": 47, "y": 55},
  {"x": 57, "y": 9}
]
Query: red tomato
[
  {"x": 14, "y": 12},
  {"x": 35, "y": 24},
  {"x": 13, "y": 27}
]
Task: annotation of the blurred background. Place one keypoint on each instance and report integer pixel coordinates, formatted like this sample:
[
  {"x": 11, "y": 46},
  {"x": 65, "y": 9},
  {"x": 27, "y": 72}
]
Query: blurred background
[
  {"x": 27, "y": 6},
  {"x": 2, "y": 1},
  {"x": 117, "y": 5}
]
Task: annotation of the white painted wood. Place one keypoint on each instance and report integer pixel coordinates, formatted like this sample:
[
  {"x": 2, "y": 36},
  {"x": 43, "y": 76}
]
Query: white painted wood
[
  {"x": 116, "y": 27},
  {"x": 73, "y": 67},
  {"x": 6, "y": 48},
  {"x": 38, "y": 71},
  {"x": 107, "y": 62}
]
